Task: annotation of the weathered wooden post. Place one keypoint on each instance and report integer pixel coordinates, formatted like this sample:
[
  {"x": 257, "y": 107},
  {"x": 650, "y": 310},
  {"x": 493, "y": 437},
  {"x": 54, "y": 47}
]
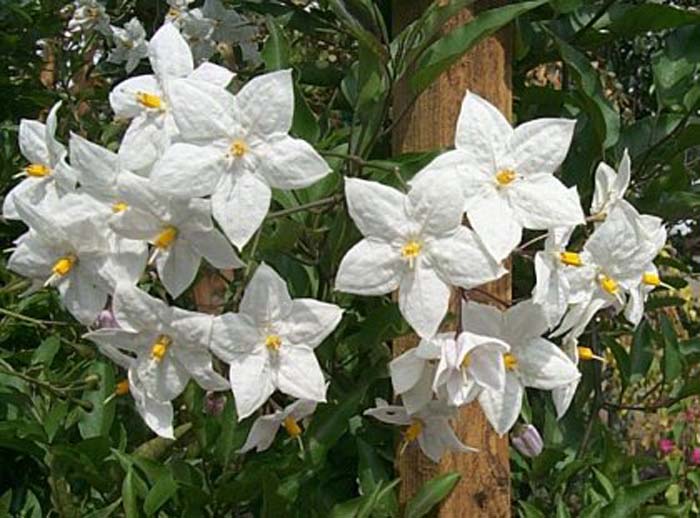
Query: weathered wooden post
[{"x": 484, "y": 489}]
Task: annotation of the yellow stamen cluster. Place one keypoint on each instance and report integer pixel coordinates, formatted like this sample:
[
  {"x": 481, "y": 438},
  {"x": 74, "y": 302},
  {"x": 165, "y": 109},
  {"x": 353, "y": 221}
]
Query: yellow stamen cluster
[
  {"x": 165, "y": 238},
  {"x": 609, "y": 284},
  {"x": 651, "y": 279},
  {"x": 273, "y": 342},
  {"x": 510, "y": 361},
  {"x": 63, "y": 265},
  {"x": 413, "y": 431},
  {"x": 122, "y": 388},
  {"x": 571, "y": 258},
  {"x": 411, "y": 250},
  {"x": 160, "y": 347},
  {"x": 290, "y": 424},
  {"x": 466, "y": 361},
  {"x": 149, "y": 100},
  {"x": 505, "y": 176},
  {"x": 120, "y": 206},
  {"x": 238, "y": 148},
  {"x": 37, "y": 170}
]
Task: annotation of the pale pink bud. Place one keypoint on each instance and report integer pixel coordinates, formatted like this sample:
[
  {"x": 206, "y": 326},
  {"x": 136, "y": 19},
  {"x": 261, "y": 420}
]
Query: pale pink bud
[
  {"x": 527, "y": 440},
  {"x": 106, "y": 320},
  {"x": 214, "y": 403}
]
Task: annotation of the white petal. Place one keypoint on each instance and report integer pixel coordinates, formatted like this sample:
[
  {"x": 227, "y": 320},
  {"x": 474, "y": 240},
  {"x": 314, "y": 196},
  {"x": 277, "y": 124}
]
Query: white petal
[
  {"x": 406, "y": 370},
  {"x": 56, "y": 150},
  {"x": 563, "y": 397},
  {"x": 290, "y": 163},
  {"x": 169, "y": 53},
  {"x": 436, "y": 206},
  {"x": 604, "y": 181},
  {"x": 483, "y": 319},
  {"x": 370, "y": 268},
  {"x": 542, "y": 202},
  {"x": 123, "y": 97},
  {"x": 423, "y": 300},
  {"x": 482, "y": 130},
  {"x": 32, "y": 142},
  {"x": 503, "y": 408},
  {"x": 541, "y": 145},
  {"x": 215, "y": 248},
  {"x": 266, "y": 298},
  {"x": 144, "y": 142},
  {"x": 261, "y": 434},
  {"x": 299, "y": 374},
  {"x": 97, "y": 167},
  {"x": 31, "y": 190},
  {"x": 202, "y": 111},
  {"x": 233, "y": 333},
  {"x": 197, "y": 361},
  {"x": 543, "y": 365},
  {"x": 391, "y": 414},
  {"x": 205, "y": 166},
  {"x": 212, "y": 74},
  {"x": 266, "y": 103},
  {"x": 310, "y": 321},
  {"x": 82, "y": 298},
  {"x": 240, "y": 205},
  {"x": 163, "y": 380},
  {"x": 134, "y": 309},
  {"x": 158, "y": 415},
  {"x": 251, "y": 382},
  {"x": 178, "y": 266},
  {"x": 496, "y": 224},
  {"x": 622, "y": 179},
  {"x": 524, "y": 320},
  {"x": 377, "y": 210}
]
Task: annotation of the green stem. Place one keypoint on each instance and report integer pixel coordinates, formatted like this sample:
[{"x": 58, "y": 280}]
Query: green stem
[{"x": 331, "y": 200}]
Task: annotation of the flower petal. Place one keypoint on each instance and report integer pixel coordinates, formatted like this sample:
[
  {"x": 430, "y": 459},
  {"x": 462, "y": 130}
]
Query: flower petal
[
  {"x": 215, "y": 248},
  {"x": 540, "y": 146},
  {"x": 261, "y": 434},
  {"x": 205, "y": 167},
  {"x": 299, "y": 374},
  {"x": 266, "y": 298},
  {"x": 482, "y": 130},
  {"x": 290, "y": 163},
  {"x": 370, "y": 268},
  {"x": 177, "y": 267},
  {"x": 239, "y": 205},
  {"x": 266, "y": 103},
  {"x": 543, "y": 365},
  {"x": 135, "y": 310},
  {"x": 233, "y": 333},
  {"x": 251, "y": 382},
  {"x": 377, "y": 210},
  {"x": 437, "y": 206},
  {"x": 123, "y": 98},
  {"x": 502, "y": 408},
  {"x": 32, "y": 143},
  {"x": 310, "y": 321},
  {"x": 542, "y": 202},
  {"x": 169, "y": 53},
  {"x": 202, "y": 111},
  {"x": 496, "y": 224},
  {"x": 423, "y": 300},
  {"x": 213, "y": 74}
]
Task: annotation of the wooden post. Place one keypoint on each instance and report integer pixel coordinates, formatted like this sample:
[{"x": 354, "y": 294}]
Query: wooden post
[{"x": 484, "y": 489}]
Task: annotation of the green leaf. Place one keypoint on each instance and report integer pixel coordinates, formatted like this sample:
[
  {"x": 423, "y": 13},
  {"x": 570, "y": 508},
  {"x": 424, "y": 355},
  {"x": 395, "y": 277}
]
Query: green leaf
[
  {"x": 605, "y": 483},
  {"x": 430, "y": 494},
  {"x": 163, "y": 490},
  {"x": 45, "y": 353},
  {"x": 642, "y": 353},
  {"x": 275, "y": 52},
  {"x": 359, "y": 28},
  {"x": 98, "y": 421},
  {"x": 105, "y": 512},
  {"x": 439, "y": 56},
  {"x": 673, "y": 366},
  {"x": 630, "y": 498},
  {"x": 129, "y": 498},
  {"x": 530, "y": 511}
]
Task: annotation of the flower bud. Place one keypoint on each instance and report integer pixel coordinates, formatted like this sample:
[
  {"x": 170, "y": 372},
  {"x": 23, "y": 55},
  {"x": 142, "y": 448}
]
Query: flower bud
[
  {"x": 527, "y": 440},
  {"x": 214, "y": 403},
  {"x": 666, "y": 446},
  {"x": 106, "y": 320},
  {"x": 694, "y": 457}
]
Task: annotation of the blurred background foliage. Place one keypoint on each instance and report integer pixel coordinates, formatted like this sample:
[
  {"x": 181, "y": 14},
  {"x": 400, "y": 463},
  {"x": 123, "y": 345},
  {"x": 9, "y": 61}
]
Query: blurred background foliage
[{"x": 629, "y": 71}]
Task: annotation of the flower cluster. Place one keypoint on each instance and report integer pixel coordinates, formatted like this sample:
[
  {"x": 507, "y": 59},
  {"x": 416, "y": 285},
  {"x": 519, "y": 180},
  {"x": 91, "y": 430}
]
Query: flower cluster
[{"x": 193, "y": 178}]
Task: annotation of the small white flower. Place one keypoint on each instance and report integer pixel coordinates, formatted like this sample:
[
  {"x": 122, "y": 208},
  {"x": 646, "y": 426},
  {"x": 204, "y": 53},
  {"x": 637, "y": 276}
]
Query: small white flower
[
  {"x": 430, "y": 427},
  {"x": 414, "y": 243},
  {"x": 610, "y": 186},
  {"x": 242, "y": 151},
  {"x": 270, "y": 343},
  {"x": 47, "y": 173},
  {"x": 181, "y": 232},
  {"x": 89, "y": 15},
  {"x": 265, "y": 427},
  {"x": 130, "y": 44},
  {"x": 468, "y": 365},
  {"x": 413, "y": 372},
  {"x": 507, "y": 174},
  {"x": 169, "y": 345},
  {"x": 531, "y": 362},
  {"x": 231, "y": 27}
]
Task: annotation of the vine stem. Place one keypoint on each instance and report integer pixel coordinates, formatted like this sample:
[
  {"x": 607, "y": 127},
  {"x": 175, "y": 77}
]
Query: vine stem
[
  {"x": 331, "y": 200},
  {"x": 359, "y": 161}
]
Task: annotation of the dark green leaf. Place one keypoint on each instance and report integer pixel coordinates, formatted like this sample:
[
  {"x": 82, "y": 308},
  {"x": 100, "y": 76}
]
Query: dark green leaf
[
  {"x": 430, "y": 494},
  {"x": 162, "y": 491},
  {"x": 630, "y": 498}
]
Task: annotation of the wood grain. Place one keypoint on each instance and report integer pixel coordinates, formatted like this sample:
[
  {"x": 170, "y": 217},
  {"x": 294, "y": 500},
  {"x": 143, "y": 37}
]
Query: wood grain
[{"x": 484, "y": 489}]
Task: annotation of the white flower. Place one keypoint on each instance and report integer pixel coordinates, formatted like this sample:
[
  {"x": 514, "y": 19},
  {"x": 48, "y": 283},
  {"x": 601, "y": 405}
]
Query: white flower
[
  {"x": 413, "y": 372},
  {"x": 468, "y": 365},
  {"x": 145, "y": 99},
  {"x": 430, "y": 427},
  {"x": 506, "y": 174},
  {"x": 243, "y": 150},
  {"x": 65, "y": 248},
  {"x": 269, "y": 344},
  {"x": 231, "y": 27},
  {"x": 46, "y": 174},
  {"x": 89, "y": 15},
  {"x": 130, "y": 44},
  {"x": 197, "y": 31},
  {"x": 265, "y": 427},
  {"x": 415, "y": 243},
  {"x": 610, "y": 186},
  {"x": 181, "y": 232},
  {"x": 169, "y": 344},
  {"x": 158, "y": 415},
  {"x": 531, "y": 362}
]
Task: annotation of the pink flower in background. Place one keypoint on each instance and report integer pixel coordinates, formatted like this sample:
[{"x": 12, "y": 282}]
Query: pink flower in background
[
  {"x": 695, "y": 456},
  {"x": 666, "y": 446}
]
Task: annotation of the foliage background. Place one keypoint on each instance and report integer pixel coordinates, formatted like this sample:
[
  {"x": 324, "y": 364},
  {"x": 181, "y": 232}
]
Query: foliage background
[{"x": 628, "y": 70}]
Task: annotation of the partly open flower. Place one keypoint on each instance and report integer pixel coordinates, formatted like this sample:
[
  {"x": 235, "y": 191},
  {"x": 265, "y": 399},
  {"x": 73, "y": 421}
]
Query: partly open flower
[
  {"x": 130, "y": 44},
  {"x": 265, "y": 427},
  {"x": 413, "y": 372},
  {"x": 610, "y": 187}
]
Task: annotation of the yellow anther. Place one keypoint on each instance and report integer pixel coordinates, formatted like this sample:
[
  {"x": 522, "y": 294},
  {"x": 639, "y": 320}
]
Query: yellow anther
[
  {"x": 651, "y": 279},
  {"x": 273, "y": 342},
  {"x": 160, "y": 347},
  {"x": 586, "y": 354},
  {"x": 510, "y": 361},
  {"x": 505, "y": 176},
  {"x": 609, "y": 284},
  {"x": 238, "y": 148},
  {"x": 149, "y": 100},
  {"x": 37, "y": 170},
  {"x": 290, "y": 424},
  {"x": 411, "y": 250},
  {"x": 571, "y": 258},
  {"x": 122, "y": 388},
  {"x": 413, "y": 431},
  {"x": 165, "y": 238},
  {"x": 466, "y": 361},
  {"x": 118, "y": 207},
  {"x": 63, "y": 265}
]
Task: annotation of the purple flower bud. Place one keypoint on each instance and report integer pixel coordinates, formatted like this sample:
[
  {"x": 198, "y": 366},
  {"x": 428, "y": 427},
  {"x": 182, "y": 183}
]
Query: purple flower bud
[
  {"x": 527, "y": 440},
  {"x": 214, "y": 403},
  {"x": 106, "y": 320},
  {"x": 666, "y": 446},
  {"x": 695, "y": 456}
]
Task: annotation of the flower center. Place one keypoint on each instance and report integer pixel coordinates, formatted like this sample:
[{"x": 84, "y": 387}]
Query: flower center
[
  {"x": 651, "y": 279},
  {"x": 238, "y": 148},
  {"x": 273, "y": 342},
  {"x": 122, "y": 388},
  {"x": 63, "y": 265},
  {"x": 609, "y": 284},
  {"x": 160, "y": 347},
  {"x": 571, "y": 258},
  {"x": 413, "y": 431},
  {"x": 150, "y": 100},
  {"x": 290, "y": 424},
  {"x": 466, "y": 361},
  {"x": 411, "y": 250},
  {"x": 505, "y": 176},
  {"x": 120, "y": 206},
  {"x": 510, "y": 361},
  {"x": 37, "y": 170},
  {"x": 165, "y": 238}
]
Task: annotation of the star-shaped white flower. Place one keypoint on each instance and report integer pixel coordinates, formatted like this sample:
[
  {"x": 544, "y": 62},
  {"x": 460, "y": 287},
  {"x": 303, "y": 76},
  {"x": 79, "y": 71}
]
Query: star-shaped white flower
[
  {"x": 89, "y": 15},
  {"x": 169, "y": 345},
  {"x": 610, "y": 186},
  {"x": 146, "y": 101},
  {"x": 231, "y": 27},
  {"x": 265, "y": 427},
  {"x": 413, "y": 372},
  {"x": 471, "y": 363},
  {"x": 47, "y": 173},
  {"x": 430, "y": 427},
  {"x": 181, "y": 232},
  {"x": 507, "y": 174},
  {"x": 532, "y": 360},
  {"x": 415, "y": 243},
  {"x": 270, "y": 343},
  {"x": 130, "y": 44},
  {"x": 240, "y": 149}
]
